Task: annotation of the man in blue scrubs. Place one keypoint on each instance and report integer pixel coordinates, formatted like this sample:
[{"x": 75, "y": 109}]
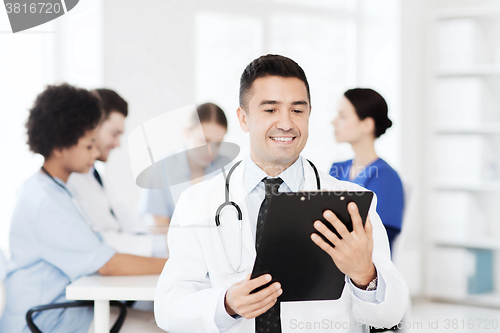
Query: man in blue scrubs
[{"x": 52, "y": 243}]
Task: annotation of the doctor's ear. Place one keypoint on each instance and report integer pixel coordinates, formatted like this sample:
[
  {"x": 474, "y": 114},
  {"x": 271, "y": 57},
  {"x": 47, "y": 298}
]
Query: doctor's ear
[{"x": 242, "y": 117}]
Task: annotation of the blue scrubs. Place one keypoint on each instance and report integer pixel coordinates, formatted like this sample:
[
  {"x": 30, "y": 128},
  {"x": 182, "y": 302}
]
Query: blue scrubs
[
  {"x": 158, "y": 202},
  {"x": 382, "y": 179},
  {"x": 51, "y": 246}
]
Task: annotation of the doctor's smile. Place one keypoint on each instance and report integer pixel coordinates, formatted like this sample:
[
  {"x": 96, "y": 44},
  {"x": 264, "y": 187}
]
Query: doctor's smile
[{"x": 284, "y": 139}]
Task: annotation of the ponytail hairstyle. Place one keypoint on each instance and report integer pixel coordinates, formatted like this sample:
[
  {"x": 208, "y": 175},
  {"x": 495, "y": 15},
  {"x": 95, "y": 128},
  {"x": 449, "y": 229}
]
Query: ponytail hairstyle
[{"x": 369, "y": 103}]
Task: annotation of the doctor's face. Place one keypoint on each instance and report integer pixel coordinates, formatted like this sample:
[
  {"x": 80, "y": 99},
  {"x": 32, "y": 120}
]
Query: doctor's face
[
  {"x": 277, "y": 120},
  {"x": 108, "y": 134}
]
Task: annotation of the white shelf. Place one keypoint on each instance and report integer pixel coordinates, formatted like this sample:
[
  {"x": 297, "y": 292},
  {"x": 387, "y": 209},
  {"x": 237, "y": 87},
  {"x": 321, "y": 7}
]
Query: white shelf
[
  {"x": 485, "y": 243},
  {"x": 475, "y": 70},
  {"x": 454, "y": 76},
  {"x": 468, "y": 12},
  {"x": 479, "y": 187},
  {"x": 480, "y": 129}
]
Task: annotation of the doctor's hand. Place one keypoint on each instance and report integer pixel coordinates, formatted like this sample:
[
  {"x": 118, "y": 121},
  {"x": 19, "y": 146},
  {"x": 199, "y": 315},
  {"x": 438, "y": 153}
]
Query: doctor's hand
[
  {"x": 239, "y": 301},
  {"x": 353, "y": 252}
]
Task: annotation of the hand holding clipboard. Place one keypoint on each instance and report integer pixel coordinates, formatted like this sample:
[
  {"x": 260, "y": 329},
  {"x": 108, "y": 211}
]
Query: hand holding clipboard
[
  {"x": 352, "y": 253},
  {"x": 306, "y": 265},
  {"x": 253, "y": 296}
]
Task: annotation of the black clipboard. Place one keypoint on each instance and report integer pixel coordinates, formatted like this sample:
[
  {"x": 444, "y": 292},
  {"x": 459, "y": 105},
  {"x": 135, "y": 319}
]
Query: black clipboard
[{"x": 286, "y": 251}]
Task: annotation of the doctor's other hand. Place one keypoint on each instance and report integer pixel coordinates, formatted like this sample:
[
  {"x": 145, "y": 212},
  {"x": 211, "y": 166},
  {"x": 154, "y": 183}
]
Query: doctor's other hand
[
  {"x": 353, "y": 253},
  {"x": 239, "y": 301}
]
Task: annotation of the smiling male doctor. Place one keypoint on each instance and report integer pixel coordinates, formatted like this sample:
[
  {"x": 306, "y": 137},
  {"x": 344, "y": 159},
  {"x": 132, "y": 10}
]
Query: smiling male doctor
[{"x": 199, "y": 291}]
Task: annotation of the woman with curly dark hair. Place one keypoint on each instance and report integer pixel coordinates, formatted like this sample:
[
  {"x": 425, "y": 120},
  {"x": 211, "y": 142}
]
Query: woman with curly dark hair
[{"x": 51, "y": 240}]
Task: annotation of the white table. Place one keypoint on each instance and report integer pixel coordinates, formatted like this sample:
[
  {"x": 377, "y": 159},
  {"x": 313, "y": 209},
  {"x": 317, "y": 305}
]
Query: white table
[{"x": 102, "y": 289}]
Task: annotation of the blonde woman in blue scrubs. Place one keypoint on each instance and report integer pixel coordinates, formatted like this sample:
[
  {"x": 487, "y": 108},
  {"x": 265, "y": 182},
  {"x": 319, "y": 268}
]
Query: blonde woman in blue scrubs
[
  {"x": 361, "y": 119},
  {"x": 51, "y": 241}
]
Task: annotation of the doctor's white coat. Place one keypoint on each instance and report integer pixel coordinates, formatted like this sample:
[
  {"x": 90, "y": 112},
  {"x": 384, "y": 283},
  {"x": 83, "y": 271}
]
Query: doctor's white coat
[{"x": 197, "y": 275}]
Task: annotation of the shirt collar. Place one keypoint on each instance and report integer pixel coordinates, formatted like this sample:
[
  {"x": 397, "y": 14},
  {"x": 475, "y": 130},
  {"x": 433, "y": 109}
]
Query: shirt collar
[{"x": 293, "y": 176}]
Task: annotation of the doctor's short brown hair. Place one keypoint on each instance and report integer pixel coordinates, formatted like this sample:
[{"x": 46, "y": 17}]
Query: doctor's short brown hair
[{"x": 269, "y": 65}]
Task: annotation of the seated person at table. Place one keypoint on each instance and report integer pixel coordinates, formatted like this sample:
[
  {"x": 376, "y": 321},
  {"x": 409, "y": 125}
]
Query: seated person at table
[
  {"x": 194, "y": 166},
  {"x": 51, "y": 240},
  {"x": 110, "y": 218}
]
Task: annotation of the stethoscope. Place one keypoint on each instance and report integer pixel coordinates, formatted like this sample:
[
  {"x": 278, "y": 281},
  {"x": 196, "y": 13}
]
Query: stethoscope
[
  {"x": 240, "y": 215},
  {"x": 75, "y": 203}
]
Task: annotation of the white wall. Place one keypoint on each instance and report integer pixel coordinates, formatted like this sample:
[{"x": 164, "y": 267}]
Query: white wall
[
  {"x": 149, "y": 60},
  {"x": 378, "y": 66},
  {"x": 410, "y": 260}
]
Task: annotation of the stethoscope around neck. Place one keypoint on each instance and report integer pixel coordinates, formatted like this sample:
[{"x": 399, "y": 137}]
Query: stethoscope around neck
[
  {"x": 73, "y": 200},
  {"x": 227, "y": 202}
]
